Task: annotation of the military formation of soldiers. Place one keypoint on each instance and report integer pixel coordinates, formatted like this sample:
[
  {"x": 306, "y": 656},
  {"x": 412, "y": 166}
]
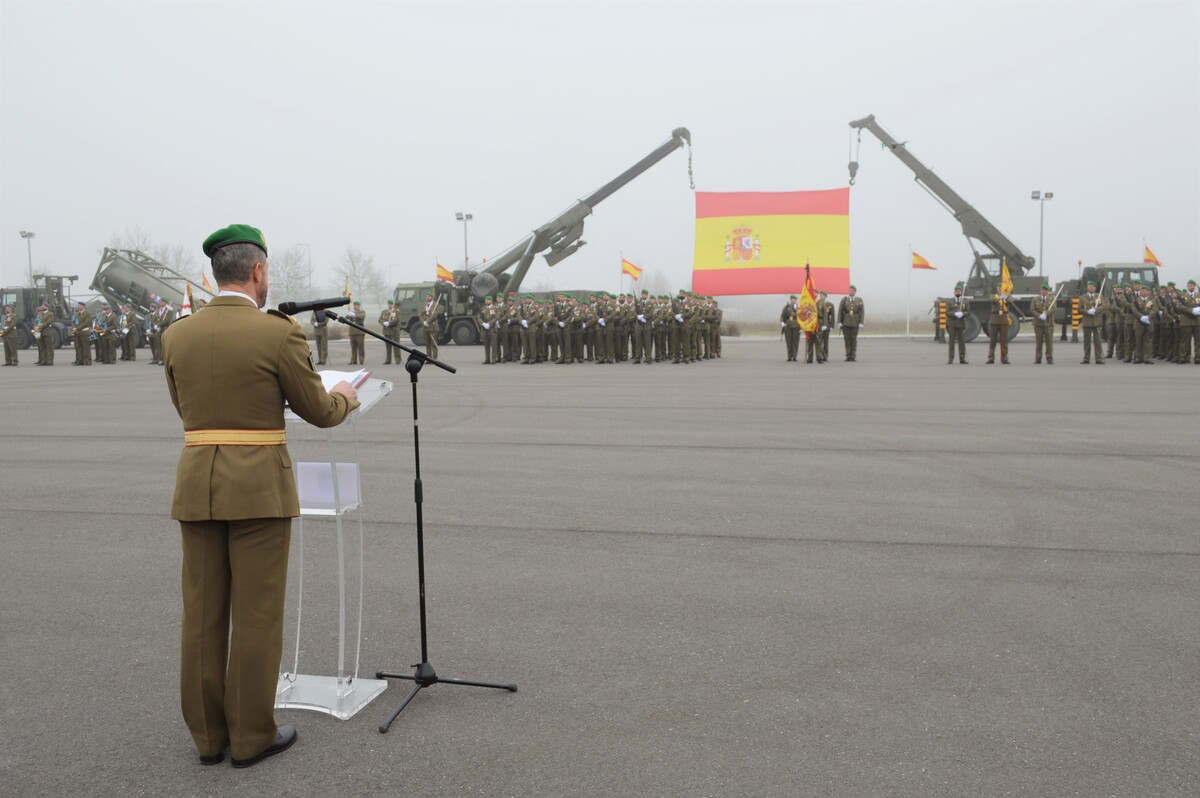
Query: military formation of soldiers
[
  {"x": 851, "y": 316},
  {"x": 601, "y": 329},
  {"x": 1142, "y": 325}
]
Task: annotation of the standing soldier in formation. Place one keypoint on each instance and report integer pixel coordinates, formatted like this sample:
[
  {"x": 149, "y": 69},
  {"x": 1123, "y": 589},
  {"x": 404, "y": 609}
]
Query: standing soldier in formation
[
  {"x": 43, "y": 331},
  {"x": 8, "y": 331},
  {"x": 1042, "y": 308},
  {"x": 500, "y": 333},
  {"x": 389, "y": 320},
  {"x": 956, "y": 324},
  {"x": 127, "y": 324},
  {"x": 320, "y": 325},
  {"x": 1092, "y": 307},
  {"x": 826, "y": 318},
  {"x": 998, "y": 328},
  {"x": 81, "y": 332},
  {"x": 106, "y": 334},
  {"x": 717, "y": 315},
  {"x": 1145, "y": 307},
  {"x": 429, "y": 321},
  {"x": 1189, "y": 325},
  {"x": 512, "y": 326},
  {"x": 487, "y": 320},
  {"x": 1128, "y": 322},
  {"x": 789, "y": 325},
  {"x": 531, "y": 317},
  {"x": 358, "y": 339},
  {"x": 852, "y": 317},
  {"x": 160, "y": 319},
  {"x": 1114, "y": 310}
]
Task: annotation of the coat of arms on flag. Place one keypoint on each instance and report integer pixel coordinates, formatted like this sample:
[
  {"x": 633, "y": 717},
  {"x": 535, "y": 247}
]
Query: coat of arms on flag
[{"x": 742, "y": 244}]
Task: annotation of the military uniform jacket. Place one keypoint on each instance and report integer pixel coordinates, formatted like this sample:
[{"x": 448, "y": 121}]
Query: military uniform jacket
[
  {"x": 953, "y": 305},
  {"x": 429, "y": 314},
  {"x": 358, "y": 317},
  {"x": 1145, "y": 307},
  {"x": 82, "y": 322},
  {"x": 825, "y": 315},
  {"x": 319, "y": 322},
  {"x": 10, "y": 326},
  {"x": 388, "y": 317},
  {"x": 1087, "y": 302},
  {"x": 44, "y": 320},
  {"x": 851, "y": 312},
  {"x": 231, "y": 368},
  {"x": 487, "y": 315},
  {"x": 997, "y": 316},
  {"x": 1185, "y": 302},
  {"x": 1041, "y": 305},
  {"x": 788, "y": 316}
]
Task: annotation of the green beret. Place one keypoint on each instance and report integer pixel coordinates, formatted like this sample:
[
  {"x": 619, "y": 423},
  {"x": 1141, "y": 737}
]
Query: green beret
[
  {"x": 234, "y": 234},
  {"x": 855, "y": 287},
  {"x": 1137, "y": 282},
  {"x": 1045, "y": 286},
  {"x": 644, "y": 291},
  {"x": 391, "y": 301},
  {"x": 357, "y": 302},
  {"x": 1191, "y": 282},
  {"x": 958, "y": 286},
  {"x": 793, "y": 296},
  {"x": 823, "y": 293},
  {"x": 1091, "y": 282},
  {"x": 1171, "y": 284}
]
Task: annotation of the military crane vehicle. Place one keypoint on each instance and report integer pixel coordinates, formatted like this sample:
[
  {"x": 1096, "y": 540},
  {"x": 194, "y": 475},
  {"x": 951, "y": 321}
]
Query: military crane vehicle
[
  {"x": 130, "y": 277},
  {"x": 989, "y": 246},
  {"x": 555, "y": 240}
]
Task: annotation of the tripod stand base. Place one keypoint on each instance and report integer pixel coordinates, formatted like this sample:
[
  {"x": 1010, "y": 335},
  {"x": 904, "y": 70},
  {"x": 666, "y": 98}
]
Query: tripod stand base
[
  {"x": 425, "y": 676},
  {"x": 341, "y": 698}
]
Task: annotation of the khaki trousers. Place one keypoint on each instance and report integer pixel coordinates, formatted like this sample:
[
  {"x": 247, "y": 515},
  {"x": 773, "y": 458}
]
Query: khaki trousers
[{"x": 234, "y": 572}]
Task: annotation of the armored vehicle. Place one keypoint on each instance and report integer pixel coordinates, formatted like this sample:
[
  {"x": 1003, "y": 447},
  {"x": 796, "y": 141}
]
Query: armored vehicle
[
  {"x": 127, "y": 276},
  {"x": 26, "y": 301}
]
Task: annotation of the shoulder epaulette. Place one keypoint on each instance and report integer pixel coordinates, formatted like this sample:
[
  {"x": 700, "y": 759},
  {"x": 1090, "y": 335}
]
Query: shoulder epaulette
[{"x": 282, "y": 315}]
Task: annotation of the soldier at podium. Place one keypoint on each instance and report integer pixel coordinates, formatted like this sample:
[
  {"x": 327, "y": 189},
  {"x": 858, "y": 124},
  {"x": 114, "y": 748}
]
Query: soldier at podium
[{"x": 229, "y": 371}]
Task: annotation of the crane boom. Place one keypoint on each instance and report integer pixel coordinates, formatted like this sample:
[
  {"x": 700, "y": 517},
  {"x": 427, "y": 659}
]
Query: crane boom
[{"x": 974, "y": 225}]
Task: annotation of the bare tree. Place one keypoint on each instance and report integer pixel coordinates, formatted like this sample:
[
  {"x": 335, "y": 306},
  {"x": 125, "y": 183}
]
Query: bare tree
[
  {"x": 176, "y": 256},
  {"x": 360, "y": 272},
  {"x": 656, "y": 283},
  {"x": 288, "y": 274},
  {"x": 133, "y": 238}
]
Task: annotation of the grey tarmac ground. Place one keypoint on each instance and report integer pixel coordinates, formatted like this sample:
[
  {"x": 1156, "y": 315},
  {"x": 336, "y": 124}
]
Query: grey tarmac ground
[{"x": 742, "y": 577}]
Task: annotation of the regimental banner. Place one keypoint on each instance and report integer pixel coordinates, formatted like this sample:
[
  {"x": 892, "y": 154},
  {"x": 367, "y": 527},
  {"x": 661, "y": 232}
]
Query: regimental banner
[{"x": 758, "y": 242}]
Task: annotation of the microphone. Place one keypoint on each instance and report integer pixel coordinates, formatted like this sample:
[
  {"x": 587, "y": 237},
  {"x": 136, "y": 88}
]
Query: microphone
[{"x": 296, "y": 308}]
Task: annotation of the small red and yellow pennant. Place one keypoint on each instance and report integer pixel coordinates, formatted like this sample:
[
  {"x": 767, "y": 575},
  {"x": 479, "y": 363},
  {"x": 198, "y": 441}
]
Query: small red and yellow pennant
[
  {"x": 444, "y": 274},
  {"x": 630, "y": 269},
  {"x": 1150, "y": 257},
  {"x": 921, "y": 263}
]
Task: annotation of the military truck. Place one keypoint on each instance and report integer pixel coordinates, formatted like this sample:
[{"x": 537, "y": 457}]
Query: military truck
[
  {"x": 55, "y": 289},
  {"x": 127, "y": 276},
  {"x": 461, "y": 299},
  {"x": 984, "y": 277}
]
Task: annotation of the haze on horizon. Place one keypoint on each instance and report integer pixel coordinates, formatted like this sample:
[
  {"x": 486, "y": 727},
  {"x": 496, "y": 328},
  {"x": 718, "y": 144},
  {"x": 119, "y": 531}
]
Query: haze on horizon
[{"x": 370, "y": 124}]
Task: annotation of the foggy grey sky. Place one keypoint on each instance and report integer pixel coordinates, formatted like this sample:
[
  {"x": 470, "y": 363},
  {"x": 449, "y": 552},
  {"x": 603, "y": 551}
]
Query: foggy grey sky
[{"x": 370, "y": 124}]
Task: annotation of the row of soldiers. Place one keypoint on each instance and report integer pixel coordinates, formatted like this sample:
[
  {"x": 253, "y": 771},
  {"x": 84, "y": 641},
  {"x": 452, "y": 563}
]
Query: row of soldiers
[
  {"x": 602, "y": 328},
  {"x": 100, "y": 333},
  {"x": 1141, "y": 324}
]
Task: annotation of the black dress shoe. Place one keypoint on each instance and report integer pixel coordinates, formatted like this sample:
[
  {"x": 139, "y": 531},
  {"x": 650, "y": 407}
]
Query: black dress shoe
[
  {"x": 283, "y": 741},
  {"x": 215, "y": 759}
]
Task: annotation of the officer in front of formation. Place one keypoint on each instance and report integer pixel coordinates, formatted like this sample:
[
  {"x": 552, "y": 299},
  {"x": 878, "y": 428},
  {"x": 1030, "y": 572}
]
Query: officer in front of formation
[
  {"x": 1042, "y": 308},
  {"x": 957, "y": 312},
  {"x": 229, "y": 371},
  {"x": 1092, "y": 307},
  {"x": 358, "y": 339},
  {"x": 320, "y": 325},
  {"x": 8, "y": 331},
  {"x": 852, "y": 317},
  {"x": 1189, "y": 324},
  {"x": 790, "y": 326},
  {"x": 429, "y": 320},
  {"x": 389, "y": 320},
  {"x": 81, "y": 333},
  {"x": 826, "y": 318},
  {"x": 998, "y": 327}
]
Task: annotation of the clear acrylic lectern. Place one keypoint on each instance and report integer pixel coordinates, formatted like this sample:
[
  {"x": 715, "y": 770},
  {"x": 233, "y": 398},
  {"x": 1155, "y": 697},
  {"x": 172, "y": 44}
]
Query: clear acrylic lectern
[{"x": 330, "y": 489}]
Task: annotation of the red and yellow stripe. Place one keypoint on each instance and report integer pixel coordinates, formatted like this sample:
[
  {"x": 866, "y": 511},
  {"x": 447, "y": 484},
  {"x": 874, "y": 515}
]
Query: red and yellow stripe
[
  {"x": 758, "y": 242},
  {"x": 444, "y": 274},
  {"x": 630, "y": 269},
  {"x": 921, "y": 263},
  {"x": 1150, "y": 257}
]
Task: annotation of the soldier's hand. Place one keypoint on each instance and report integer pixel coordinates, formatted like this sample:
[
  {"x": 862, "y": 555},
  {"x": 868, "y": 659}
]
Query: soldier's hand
[
  {"x": 345, "y": 389},
  {"x": 860, "y": 326}
]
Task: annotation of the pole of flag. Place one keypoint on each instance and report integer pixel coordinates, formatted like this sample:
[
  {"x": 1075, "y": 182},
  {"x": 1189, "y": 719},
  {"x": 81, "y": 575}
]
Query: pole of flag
[{"x": 908, "y": 298}]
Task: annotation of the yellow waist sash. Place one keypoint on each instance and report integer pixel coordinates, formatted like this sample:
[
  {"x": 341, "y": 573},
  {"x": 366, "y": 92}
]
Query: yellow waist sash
[{"x": 234, "y": 437}]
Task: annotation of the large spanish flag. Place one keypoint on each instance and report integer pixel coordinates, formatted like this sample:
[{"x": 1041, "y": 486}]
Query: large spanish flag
[
  {"x": 757, "y": 242},
  {"x": 1150, "y": 257}
]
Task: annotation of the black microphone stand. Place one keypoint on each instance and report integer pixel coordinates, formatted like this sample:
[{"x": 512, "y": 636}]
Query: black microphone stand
[{"x": 423, "y": 673}]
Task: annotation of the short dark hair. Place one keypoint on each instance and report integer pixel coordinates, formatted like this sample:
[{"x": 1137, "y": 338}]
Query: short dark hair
[{"x": 234, "y": 262}]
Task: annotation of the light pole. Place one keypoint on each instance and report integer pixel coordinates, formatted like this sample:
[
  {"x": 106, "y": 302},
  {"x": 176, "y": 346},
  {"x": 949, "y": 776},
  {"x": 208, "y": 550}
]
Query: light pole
[
  {"x": 464, "y": 218},
  {"x": 29, "y": 251},
  {"x": 1041, "y": 199}
]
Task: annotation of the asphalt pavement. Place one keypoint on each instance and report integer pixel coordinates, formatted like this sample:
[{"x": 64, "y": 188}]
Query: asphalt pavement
[{"x": 739, "y": 577}]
